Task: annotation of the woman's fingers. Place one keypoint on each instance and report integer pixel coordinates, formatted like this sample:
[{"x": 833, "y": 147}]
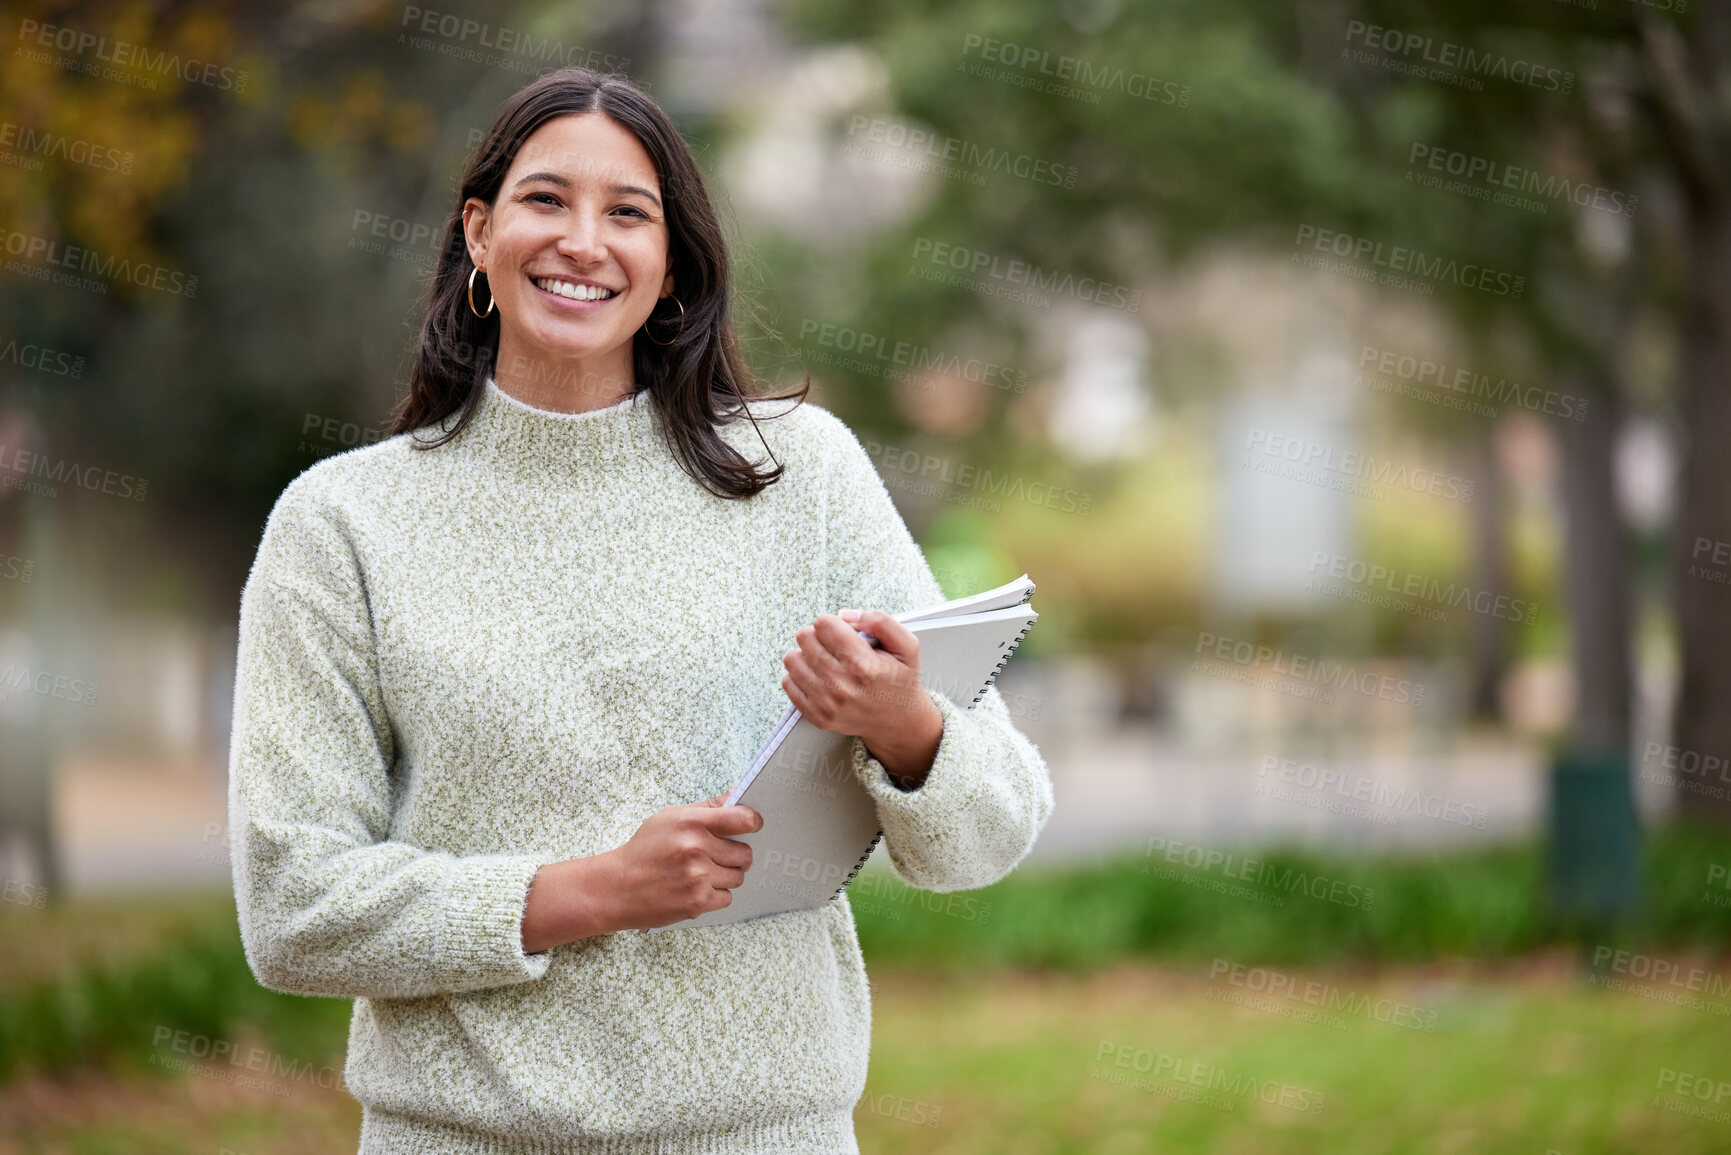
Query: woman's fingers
[
  {"x": 896, "y": 638},
  {"x": 817, "y": 647},
  {"x": 729, "y": 854},
  {"x": 728, "y": 878}
]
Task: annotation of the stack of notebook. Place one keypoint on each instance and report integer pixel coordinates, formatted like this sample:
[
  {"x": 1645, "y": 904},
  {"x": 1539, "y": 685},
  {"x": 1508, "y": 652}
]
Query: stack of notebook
[{"x": 819, "y": 824}]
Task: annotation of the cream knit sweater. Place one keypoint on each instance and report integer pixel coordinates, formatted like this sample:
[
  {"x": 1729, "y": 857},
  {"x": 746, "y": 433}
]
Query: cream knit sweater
[{"x": 460, "y": 664}]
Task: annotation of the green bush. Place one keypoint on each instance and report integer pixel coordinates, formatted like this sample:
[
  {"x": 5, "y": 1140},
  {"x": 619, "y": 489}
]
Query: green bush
[
  {"x": 1486, "y": 903},
  {"x": 111, "y": 1016}
]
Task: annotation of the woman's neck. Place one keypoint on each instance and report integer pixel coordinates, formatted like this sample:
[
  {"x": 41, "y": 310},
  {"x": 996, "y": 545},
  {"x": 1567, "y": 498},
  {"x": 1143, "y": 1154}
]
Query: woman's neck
[{"x": 566, "y": 384}]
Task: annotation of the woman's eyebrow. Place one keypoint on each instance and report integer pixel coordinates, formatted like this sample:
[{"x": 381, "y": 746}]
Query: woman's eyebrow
[
  {"x": 564, "y": 183},
  {"x": 631, "y": 188}
]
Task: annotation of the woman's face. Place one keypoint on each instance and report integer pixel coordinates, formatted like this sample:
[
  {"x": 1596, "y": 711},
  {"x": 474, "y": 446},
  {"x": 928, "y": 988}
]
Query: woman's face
[{"x": 579, "y": 216}]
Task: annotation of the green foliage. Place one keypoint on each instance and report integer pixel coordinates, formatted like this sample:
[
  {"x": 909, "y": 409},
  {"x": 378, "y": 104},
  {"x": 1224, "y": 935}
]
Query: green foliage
[
  {"x": 1485, "y": 904},
  {"x": 111, "y": 1016}
]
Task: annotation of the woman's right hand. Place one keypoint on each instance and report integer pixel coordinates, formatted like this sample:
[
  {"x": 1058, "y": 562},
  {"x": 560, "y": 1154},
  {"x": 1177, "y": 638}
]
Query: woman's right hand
[{"x": 681, "y": 862}]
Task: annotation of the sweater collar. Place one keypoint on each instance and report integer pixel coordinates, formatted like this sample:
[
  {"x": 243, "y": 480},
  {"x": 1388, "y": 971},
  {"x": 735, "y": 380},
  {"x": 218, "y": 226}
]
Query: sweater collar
[{"x": 541, "y": 443}]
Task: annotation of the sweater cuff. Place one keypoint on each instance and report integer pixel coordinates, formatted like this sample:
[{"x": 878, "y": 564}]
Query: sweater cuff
[
  {"x": 481, "y": 938},
  {"x": 939, "y": 786}
]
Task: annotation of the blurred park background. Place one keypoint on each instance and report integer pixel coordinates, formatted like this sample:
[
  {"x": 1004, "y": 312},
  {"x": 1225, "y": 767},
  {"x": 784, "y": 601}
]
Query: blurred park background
[{"x": 1353, "y": 378}]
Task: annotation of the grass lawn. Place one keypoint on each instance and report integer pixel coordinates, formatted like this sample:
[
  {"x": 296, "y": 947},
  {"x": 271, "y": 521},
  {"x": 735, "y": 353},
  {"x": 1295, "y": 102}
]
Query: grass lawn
[
  {"x": 1525, "y": 1057},
  {"x": 1518, "y": 1062}
]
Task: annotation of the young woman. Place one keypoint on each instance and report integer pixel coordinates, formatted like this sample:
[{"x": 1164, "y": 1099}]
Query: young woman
[{"x": 497, "y": 672}]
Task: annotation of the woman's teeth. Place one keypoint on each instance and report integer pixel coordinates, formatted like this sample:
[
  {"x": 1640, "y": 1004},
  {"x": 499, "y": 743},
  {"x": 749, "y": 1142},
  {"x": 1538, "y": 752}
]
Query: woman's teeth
[{"x": 575, "y": 292}]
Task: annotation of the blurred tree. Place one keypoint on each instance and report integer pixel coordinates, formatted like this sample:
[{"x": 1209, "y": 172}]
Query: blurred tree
[
  {"x": 299, "y": 188},
  {"x": 1686, "y": 88},
  {"x": 1287, "y": 120}
]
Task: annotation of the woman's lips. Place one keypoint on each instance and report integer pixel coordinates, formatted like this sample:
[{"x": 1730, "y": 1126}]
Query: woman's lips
[{"x": 572, "y": 302}]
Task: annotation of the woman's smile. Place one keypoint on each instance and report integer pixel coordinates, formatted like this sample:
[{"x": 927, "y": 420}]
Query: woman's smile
[{"x": 576, "y": 295}]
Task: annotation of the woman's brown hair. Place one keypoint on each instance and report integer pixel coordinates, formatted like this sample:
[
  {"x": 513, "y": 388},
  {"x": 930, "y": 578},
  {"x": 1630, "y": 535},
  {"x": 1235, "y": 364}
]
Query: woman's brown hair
[{"x": 697, "y": 381}]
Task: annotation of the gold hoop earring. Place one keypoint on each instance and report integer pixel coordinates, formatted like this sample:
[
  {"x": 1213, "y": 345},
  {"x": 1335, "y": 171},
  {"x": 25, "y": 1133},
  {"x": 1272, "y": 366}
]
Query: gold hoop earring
[
  {"x": 681, "y": 328},
  {"x": 490, "y": 301}
]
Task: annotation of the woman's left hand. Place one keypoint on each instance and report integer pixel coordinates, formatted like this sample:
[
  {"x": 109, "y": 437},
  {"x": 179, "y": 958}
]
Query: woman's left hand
[{"x": 836, "y": 679}]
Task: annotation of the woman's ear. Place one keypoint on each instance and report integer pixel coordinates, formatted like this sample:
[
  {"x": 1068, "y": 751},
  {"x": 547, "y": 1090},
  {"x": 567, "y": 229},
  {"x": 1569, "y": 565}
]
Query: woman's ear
[
  {"x": 667, "y": 285},
  {"x": 475, "y": 232}
]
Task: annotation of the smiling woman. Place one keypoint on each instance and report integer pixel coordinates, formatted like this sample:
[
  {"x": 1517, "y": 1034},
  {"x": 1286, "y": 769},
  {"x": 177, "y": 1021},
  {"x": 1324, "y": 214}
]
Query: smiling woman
[
  {"x": 584, "y": 224},
  {"x": 497, "y": 672},
  {"x": 575, "y": 251}
]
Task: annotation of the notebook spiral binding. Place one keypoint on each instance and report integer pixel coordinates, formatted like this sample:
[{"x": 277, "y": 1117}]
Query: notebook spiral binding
[
  {"x": 858, "y": 866},
  {"x": 1009, "y": 650}
]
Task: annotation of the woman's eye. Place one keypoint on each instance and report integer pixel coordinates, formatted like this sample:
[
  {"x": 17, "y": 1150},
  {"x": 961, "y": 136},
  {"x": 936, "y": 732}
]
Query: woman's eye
[
  {"x": 629, "y": 209},
  {"x": 550, "y": 197}
]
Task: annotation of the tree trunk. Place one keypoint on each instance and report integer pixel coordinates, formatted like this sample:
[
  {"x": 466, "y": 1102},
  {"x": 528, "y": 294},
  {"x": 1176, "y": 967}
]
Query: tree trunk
[
  {"x": 1596, "y": 557},
  {"x": 1701, "y": 762},
  {"x": 1490, "y": 633}
]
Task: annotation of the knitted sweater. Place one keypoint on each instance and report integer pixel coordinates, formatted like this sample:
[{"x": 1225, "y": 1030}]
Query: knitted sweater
[{"x": 457, "y": 665}]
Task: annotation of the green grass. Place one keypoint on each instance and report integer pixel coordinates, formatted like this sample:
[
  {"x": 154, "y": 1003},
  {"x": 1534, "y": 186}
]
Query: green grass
[
  {"x": 1484, "y": 904},
  {"x": 1515, "y": 1065},
  {"x": 1014, "y": 1063}
]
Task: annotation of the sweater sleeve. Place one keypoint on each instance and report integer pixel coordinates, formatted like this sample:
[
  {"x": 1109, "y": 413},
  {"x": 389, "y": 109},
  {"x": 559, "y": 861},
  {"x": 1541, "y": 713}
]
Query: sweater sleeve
[
  {"x": 329, "y": 904},
  {"x": 988, "y": 794}
]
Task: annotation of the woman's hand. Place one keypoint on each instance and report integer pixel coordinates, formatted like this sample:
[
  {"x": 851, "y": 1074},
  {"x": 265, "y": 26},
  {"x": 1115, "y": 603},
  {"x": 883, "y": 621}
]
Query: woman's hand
[
  {"x": 838, "y": 681},
  {"x": 681, "y": 863}
]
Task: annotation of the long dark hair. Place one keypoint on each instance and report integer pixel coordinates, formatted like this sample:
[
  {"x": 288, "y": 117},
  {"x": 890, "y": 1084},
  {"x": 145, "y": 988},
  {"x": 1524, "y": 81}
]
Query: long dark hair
[{"x": 697, "y": 382}]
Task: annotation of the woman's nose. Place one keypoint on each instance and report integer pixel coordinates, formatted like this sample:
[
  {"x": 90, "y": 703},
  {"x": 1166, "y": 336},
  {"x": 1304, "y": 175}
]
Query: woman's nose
[{"x": 583, "y": 240}]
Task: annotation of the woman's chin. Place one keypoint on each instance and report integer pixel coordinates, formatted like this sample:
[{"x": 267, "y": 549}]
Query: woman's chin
[{"x": 574, "y": 342}]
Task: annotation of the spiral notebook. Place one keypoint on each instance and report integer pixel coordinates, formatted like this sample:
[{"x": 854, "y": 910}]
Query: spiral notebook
[{"x": 819, "y": 824}]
